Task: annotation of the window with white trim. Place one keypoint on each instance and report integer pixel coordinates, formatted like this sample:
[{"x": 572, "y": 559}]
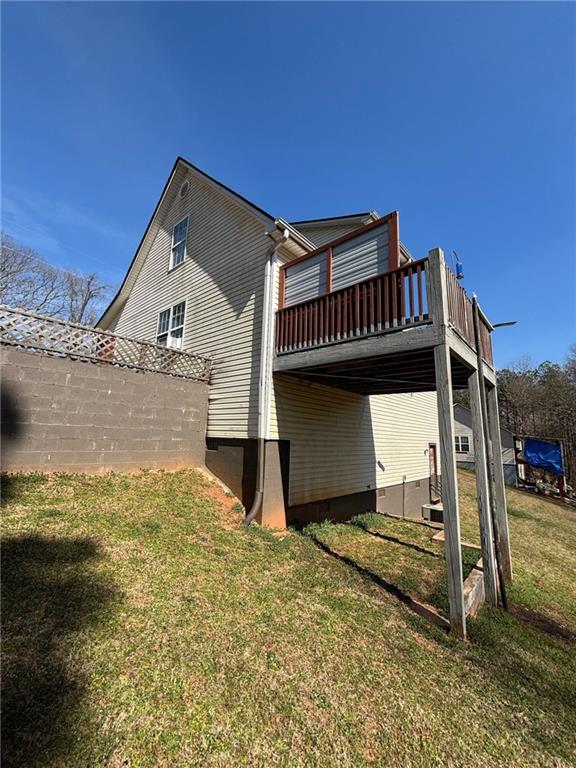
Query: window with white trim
[
  {"x": 171, "y": 326},
  {"x": 179, "y": 234},
  {"x": 462, "y": 443}
]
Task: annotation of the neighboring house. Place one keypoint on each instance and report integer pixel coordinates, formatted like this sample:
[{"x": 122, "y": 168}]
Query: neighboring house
[
  {"x": 209, "y": 274},
  {"x": 464, "y": 444}
]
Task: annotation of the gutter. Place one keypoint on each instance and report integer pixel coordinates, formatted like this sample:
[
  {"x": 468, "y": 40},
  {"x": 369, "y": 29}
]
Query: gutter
[
  {"x": 295, "y": 235},
  {"x": 265, "y": 368}
]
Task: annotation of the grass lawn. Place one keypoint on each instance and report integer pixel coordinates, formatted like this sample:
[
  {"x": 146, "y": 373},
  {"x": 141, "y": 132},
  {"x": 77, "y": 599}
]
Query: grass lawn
[
  {"x": 396, "y": 554},
  {"x": 143, "y": 625}
]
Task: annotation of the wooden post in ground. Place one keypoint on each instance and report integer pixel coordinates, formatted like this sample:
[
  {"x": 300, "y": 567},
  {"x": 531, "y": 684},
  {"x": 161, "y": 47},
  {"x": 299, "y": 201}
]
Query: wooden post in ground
[
  {"x": 483, "y": 491},
  {"x": 489, "y": 447},
  {"x": 438, "y": 308},
  {"x": 452, "y": 548},
  {"x": 497, "y": 476}
]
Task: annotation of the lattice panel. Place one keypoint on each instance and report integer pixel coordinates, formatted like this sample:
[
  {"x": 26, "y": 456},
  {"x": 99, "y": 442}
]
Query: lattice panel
[{"x": 60, "y": 338}]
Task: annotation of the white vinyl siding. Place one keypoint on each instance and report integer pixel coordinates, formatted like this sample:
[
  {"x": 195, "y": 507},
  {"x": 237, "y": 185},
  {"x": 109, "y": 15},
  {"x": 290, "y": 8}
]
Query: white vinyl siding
[
  {"x": 222, "y": 283},
  {"x": 320, "y": 234},
  {"x": 360, "y": 258},
  {"x": 306, "y": 280},
  {"x": 341, "y": 443},
  {"x": 463, "y": 430},
  {"x": 364, "y": 256}
]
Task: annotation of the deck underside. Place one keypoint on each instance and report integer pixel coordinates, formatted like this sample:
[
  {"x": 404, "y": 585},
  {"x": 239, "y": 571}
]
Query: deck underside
[
  {"x": 387, "y": 364},
  {"x": 411, "y": 371}
]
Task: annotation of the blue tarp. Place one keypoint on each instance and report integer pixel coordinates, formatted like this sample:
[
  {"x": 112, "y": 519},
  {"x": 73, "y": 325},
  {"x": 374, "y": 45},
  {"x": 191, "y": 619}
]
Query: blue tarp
[{"x": 539, "y": 453}]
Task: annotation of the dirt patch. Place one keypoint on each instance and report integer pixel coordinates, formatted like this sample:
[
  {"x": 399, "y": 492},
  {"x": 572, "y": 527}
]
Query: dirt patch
[{"x": 228, "y": 506}]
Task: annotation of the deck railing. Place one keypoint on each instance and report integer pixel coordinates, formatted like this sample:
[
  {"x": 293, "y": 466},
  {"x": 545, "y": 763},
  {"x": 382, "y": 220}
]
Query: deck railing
[
  {"x": 391, "y": 300},
  {"x": 387, "y": 302},
  {"x": 461, "y": 316},
  {"x": 486, "y": 342},
  {"x": 59, "y": 338}
]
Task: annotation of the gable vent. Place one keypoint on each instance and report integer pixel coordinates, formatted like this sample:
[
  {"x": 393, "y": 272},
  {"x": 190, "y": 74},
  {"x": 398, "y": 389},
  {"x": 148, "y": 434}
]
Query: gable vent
[{"x": 184, "y": 189}]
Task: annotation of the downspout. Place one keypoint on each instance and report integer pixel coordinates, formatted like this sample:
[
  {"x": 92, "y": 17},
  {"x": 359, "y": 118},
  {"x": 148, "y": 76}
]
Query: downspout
[{"x": 263, "y": 382}]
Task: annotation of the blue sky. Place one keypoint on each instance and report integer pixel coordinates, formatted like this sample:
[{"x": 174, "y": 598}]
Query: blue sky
[{"x": 460, "y": 115}]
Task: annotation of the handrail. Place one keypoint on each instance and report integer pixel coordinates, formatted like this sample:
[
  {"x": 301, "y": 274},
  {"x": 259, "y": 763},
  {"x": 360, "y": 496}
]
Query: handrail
[
  {"x": 388, "y": 301},
  {"x": 461, "y": 317},
  {"x": 385, "y": 302},
  {"x": 420, "y": 262}
]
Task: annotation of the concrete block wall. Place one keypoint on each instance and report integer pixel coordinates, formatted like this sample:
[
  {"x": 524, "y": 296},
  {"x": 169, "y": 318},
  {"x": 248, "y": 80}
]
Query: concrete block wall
[{"x": 64, "y": 415}]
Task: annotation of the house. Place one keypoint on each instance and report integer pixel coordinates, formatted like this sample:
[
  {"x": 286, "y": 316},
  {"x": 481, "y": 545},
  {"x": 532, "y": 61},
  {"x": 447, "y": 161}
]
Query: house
[
  {"x": 197, "y": 282},
  {"x": 335, "y": 355},
  {"x": 464, "y": 444}
]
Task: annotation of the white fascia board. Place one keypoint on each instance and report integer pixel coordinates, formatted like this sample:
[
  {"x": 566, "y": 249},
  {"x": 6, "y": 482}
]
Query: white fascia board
[
  {"x": 295, "y": 235},
  {"x": 340, "y": 220}
]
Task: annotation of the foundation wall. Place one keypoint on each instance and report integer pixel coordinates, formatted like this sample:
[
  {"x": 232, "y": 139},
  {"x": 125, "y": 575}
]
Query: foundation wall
[
  {"x": 234, "y": 462},
  {"x": 405, "y": 500}
]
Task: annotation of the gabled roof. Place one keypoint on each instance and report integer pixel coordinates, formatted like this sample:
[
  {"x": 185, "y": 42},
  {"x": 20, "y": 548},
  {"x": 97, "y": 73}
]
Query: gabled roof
[
  {"x": 180, "y": 168},
  {"x": 230, "y": 191}
]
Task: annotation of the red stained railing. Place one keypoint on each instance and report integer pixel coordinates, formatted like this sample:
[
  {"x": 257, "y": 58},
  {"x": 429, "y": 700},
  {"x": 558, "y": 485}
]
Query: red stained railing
[
  {"x": 486, "y": 343},
  {"x": 391, "y": 300},
  {"x": 461, "y": 316},
  {"x": 459, "y": 308},
  {"x": 327, "y": 251}
]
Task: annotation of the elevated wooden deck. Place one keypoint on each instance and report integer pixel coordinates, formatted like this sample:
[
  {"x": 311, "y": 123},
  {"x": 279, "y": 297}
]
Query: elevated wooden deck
[
  {"x": 409, "y": 328},
  {"x": 378, "y": 336}
]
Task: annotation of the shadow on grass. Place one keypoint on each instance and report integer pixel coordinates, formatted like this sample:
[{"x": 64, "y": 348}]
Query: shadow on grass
[
  {"x": 49, "y": 593},
  {"x": 422, "y": 609},
  {"x": 14, "y": 486},
  {"x": 395, "y": 540},
  {"x": 8, "y": 489},
  {"x": 542, "y": 622}
]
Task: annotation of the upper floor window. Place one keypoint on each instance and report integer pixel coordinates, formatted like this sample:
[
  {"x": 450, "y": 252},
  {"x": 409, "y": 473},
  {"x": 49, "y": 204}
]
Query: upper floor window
[
  {"x": 179, "y": 234},
  {"x": 171, "y": 326},
  {"x": 462, "y": 444}
]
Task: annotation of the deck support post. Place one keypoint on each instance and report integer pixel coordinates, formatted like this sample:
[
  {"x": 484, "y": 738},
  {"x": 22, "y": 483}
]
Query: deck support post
[
  {"x": 497, "y": 478},
  {"x": 453, "y": 548},
  {"x": 483, "y": 491},
  {"x": 438, "y": 307}
]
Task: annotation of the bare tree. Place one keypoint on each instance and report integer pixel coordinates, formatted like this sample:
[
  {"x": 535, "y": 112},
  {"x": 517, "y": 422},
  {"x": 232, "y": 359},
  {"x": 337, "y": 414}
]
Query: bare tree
[
  {"x": 29, "y": 282},
  {"x": 571, "y": 364},
  {"x": 83, "y": 296}
]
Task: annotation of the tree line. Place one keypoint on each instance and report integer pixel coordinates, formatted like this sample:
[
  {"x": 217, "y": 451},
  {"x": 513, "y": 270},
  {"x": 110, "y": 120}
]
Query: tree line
[
  {"x": 540, "y": 401},
  {"x": 29, "y": 282}
]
